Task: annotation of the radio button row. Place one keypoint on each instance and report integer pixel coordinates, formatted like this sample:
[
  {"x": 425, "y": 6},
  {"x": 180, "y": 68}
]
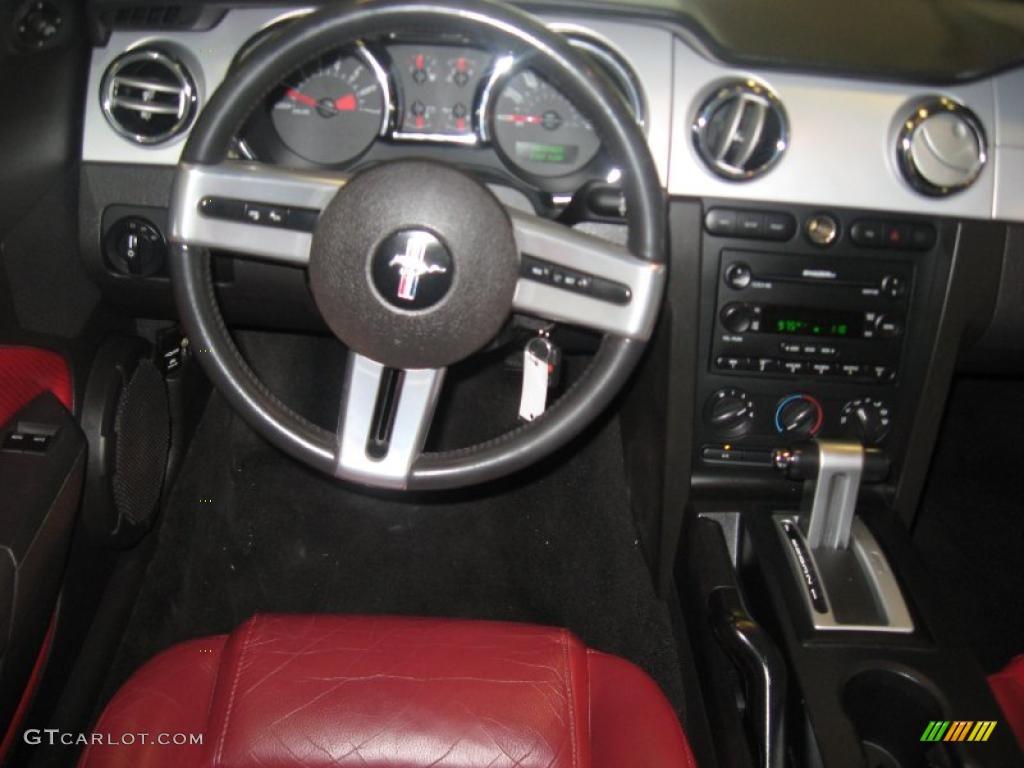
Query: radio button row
[
  {"x": 858, "y": 371},
  {"x": 898, "y": 235},
  {"x": 758, "y": 225},
  {"x": 807, "y": 350}
]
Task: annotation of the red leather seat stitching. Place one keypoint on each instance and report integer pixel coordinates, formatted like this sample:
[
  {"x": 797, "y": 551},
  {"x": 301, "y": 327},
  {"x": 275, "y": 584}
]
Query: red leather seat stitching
[
  {"x": 234, "y": 689},
  {"x": 568, "y": 696}
]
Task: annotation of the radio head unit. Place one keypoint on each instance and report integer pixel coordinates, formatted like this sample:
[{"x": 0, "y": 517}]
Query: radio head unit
[{"x": 781, "y": 314}]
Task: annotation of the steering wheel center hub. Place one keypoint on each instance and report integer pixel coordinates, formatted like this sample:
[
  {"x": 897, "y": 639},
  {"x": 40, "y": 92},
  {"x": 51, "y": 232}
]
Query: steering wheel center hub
[
  {"x": 414, "y": 264},
  {"x": 412, "y": 269}
]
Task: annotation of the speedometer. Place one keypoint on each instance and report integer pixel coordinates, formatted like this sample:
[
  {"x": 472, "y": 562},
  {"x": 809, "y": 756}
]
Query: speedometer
[
  {"x": 331, "y": 112},
  {"x": 538, "y": 129}
]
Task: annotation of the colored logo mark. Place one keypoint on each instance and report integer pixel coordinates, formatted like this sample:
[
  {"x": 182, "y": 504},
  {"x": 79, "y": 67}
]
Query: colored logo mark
[{"x": 958, "y": 730}]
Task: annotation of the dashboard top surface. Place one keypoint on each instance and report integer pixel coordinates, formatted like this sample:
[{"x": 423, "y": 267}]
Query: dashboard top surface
[{"x": 926, "y": 41}]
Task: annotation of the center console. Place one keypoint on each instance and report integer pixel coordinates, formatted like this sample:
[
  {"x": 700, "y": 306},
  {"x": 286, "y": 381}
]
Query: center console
[
  {"x": 811, "y": 322},
  {"x": 825, "y": 346}
]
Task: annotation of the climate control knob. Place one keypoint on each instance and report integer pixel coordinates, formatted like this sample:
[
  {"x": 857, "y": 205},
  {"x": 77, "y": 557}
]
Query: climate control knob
[
  {"x": 730, "y": 413},
  {"x": 799, "y": 416},
  {"x": 865, "y": 419}
]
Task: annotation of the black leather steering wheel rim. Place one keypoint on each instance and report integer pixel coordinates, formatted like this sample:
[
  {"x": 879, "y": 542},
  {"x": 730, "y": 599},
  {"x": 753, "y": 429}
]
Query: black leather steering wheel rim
[{"x": 552, "y": 56}]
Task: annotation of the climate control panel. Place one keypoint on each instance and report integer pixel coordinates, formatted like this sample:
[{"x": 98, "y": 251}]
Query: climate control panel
[{"x": 742, "y": 427}]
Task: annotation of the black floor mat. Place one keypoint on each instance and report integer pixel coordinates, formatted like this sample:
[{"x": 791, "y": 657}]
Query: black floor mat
[
  {"x": 970, "y": 529},
  {"x": 247, "y": 530}
]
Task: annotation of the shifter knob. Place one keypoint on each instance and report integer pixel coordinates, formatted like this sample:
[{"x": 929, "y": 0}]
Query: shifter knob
[
  {"x": 803, "y": 460},
  {"x": 832, "y": 472}
]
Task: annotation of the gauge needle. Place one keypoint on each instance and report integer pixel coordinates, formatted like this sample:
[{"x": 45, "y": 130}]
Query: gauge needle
[
  {"x": 346, "y": 103},
  {"x": 300, "y": 97},
  {"x": 521, "y": 118}
]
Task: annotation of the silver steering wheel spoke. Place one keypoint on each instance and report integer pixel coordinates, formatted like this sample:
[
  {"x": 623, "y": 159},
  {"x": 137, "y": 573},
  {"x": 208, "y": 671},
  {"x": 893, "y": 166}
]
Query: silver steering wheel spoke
[
  {"x": 384, "y": 420},
  {"x": 573, "y": 277},
  {"x": 250, "y": 209}
]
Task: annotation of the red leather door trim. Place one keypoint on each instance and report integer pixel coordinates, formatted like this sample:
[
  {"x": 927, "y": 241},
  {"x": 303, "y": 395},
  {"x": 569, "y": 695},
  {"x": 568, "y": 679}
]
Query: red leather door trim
[{"x": 27, "y": 372}]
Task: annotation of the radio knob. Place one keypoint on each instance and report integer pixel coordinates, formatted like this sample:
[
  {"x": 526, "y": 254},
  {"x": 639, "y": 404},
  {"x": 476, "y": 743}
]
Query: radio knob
[
  {"x": 887, "y": 327},
  {"x": 738, "y": 276},
  {"x": 894, "y": 287},
  {"x": 730, "y": 413},
  {"x": 865, "y": 419},
  {"x": 799, "y": 416},
  {"x": 736, "y": 317}
]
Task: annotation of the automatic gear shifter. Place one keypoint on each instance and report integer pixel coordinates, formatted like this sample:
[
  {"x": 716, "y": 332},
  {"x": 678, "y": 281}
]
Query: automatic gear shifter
[
  {"x": 846, "y": 578},
  {"x": 833, "y": 472}
]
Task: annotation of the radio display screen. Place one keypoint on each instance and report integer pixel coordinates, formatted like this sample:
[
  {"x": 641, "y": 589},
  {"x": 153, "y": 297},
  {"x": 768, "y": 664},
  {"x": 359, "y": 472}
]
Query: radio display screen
[{"x": 804, "y": 321}]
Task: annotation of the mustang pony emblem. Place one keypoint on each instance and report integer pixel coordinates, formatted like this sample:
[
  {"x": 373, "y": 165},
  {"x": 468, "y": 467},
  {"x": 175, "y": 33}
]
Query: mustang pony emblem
[{"x": 413, "y": 265}]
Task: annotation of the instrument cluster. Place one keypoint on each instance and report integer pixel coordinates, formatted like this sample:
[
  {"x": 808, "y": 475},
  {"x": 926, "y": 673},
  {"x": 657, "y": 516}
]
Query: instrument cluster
[{"x": 366, "y": 103}]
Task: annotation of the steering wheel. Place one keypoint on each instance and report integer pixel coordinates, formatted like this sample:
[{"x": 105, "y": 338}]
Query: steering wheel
[{"x": 413, "y": 264}]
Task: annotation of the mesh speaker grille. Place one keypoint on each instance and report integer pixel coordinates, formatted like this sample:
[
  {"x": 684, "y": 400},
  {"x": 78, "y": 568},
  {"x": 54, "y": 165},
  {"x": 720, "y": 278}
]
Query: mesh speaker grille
[{"x": 142, "y": 426}]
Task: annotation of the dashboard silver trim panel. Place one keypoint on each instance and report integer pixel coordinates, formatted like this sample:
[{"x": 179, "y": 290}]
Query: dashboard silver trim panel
[{"x": 842, "y": 130}]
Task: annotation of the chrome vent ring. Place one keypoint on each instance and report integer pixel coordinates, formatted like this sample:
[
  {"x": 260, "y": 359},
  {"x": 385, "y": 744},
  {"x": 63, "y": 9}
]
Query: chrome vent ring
[
  {"x": 148, "y": 96},
  {"x": 741, "y": 130},
  {"x": 941, "y": 148}
]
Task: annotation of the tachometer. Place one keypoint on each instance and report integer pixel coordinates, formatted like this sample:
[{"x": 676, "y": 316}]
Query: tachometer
[
  {"x": 539, "y": 130},
  {"x": 331, "y": 112}
]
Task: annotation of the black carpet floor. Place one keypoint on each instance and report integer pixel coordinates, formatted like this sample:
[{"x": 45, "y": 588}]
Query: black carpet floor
[
  {"x": 970, "y": 529},
  {"x": 248, "y": 530}
]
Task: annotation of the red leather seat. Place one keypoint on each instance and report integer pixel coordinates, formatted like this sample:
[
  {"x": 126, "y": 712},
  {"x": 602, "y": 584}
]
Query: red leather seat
[
  {"x": 1008, "y": 688},
  {"x": 385, "y": 691}
]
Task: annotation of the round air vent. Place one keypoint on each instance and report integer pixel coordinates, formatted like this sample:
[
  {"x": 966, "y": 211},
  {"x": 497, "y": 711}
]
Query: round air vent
[
  {"x": 741, "y": 130},
  {"x": 941, "y": 147},
  {"x": 147, "y": 96}
]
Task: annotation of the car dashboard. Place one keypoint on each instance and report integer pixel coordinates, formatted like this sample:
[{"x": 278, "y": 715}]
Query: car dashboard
[
  {"x": 841, "y": 218},
  {"x": 828, "y": 203}
]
